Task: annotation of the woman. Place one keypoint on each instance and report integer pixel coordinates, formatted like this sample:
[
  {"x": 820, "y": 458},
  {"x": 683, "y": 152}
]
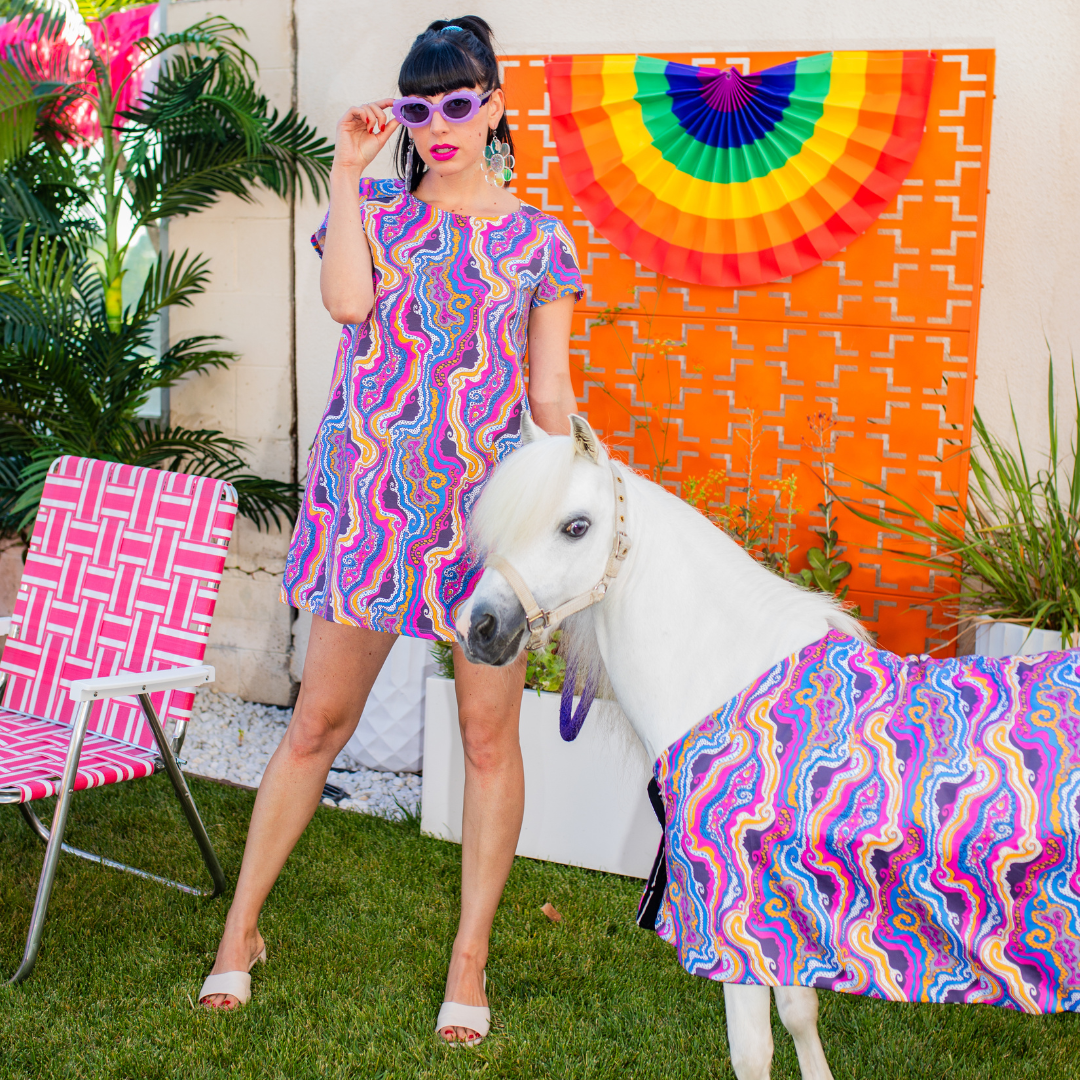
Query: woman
[{"x": 440, "y": 282}]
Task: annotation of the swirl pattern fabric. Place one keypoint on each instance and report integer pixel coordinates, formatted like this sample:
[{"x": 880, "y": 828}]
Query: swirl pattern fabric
[
  {"x": 720, "y": 178},
  {"x": 426, "y": 399},
  {"x": 905, "y": 828}
]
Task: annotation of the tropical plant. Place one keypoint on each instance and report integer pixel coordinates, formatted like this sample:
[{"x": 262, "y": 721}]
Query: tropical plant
[
  {"x": 1014, "y": 544},
  {"x": 88, "y": 166}
]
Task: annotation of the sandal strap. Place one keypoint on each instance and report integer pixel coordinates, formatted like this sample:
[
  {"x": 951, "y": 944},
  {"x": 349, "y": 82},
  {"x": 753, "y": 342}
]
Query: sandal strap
[
  {"x": 237, "y": 983},
  {"x": 474, "y": 1017}
]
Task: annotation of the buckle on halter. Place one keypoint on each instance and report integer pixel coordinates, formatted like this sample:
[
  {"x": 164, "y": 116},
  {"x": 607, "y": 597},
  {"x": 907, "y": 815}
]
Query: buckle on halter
[{"x": 537, "y": 622}]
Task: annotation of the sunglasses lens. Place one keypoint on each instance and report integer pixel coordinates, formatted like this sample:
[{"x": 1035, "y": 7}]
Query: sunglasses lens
[
  {"x": 457, "y": 108},
  {"x": 415, "y": 112}
]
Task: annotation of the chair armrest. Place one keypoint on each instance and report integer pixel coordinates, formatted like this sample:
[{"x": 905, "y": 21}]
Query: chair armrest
[
  {"x": 144, "y": 682},
  {"x": 5, "y": 625}
]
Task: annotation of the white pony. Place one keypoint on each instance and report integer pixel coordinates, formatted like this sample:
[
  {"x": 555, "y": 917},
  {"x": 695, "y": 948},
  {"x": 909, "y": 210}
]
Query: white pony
[
  {"x": 687, "y": 621},
  {"x": 835, "y": 815}
]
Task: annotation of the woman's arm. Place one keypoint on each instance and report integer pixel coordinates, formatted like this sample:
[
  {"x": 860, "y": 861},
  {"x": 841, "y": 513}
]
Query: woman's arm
[
  {"x": 345, "y": 280},
  {"x": 551, "y": 395}
]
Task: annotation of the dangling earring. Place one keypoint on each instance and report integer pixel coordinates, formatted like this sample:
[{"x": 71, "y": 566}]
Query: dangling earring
[
  {"x": 408, "y": 167},
  {"x": 498, "y": 162}
]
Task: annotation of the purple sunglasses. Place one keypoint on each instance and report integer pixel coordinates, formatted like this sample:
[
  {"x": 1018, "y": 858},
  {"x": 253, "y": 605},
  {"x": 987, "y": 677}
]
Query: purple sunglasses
[{"x": 416, "y": 112}]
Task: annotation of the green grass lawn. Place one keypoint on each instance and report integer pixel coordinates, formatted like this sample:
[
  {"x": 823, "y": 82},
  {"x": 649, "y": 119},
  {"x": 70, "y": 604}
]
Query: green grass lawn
[{"x": 358, "y": 932}]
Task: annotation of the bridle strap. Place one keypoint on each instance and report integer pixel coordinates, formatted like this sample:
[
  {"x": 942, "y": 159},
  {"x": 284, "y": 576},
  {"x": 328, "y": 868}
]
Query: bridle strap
[{"x": 537, "y": 620}]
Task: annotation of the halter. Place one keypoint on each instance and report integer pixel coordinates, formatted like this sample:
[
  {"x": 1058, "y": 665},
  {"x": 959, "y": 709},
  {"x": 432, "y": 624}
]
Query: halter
[{"x": 537, "y": 620}]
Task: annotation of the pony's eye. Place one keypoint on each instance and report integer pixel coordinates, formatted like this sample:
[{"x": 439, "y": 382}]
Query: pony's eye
[{"x": 577, "y": 528}]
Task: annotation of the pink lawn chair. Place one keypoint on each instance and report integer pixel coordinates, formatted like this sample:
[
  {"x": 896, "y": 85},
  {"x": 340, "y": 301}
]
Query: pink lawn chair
[{"x": 115, "y": 604}]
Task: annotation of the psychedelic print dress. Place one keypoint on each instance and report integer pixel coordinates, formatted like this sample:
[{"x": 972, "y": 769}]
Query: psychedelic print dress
[
  {"x": 905, "y": 828},
  {"x": 426, "y": 399}
]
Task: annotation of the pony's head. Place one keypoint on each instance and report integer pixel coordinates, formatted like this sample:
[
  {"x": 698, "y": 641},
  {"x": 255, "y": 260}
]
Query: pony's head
[{"x": 550, "y": 515}]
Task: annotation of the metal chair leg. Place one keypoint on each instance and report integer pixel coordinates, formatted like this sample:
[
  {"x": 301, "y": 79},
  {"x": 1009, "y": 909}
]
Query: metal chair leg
[
  {"x": 54, "y": 836},
  {"x": 39, "y": 827},
  {"x": 184, "y": 795},
  {"x": 54, "y": 846},
  {"x": 198, "y": 830}
]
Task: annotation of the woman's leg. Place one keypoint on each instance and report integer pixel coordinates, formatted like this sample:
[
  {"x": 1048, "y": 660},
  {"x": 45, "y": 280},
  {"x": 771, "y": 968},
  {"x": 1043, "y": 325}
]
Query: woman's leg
[
  {"x": 341, "y": 665},
  {"x": 489, "y": 704}
]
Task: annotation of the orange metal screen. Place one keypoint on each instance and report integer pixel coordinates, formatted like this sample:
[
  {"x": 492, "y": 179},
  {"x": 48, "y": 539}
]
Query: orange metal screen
[{"x": 881, "y": 339}]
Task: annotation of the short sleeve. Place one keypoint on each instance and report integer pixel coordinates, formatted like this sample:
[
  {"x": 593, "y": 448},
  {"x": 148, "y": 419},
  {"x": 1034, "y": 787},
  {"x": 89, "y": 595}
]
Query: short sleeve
[
  {"x": 318, "y": 237},
  {"x": 562, "y": 276}
]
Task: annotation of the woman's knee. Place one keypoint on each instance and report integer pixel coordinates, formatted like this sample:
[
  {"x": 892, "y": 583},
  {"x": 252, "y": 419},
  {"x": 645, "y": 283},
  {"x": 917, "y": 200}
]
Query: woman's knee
[
  {"x": 489, "y": 739},
  {"x": 316, "y": 731}
]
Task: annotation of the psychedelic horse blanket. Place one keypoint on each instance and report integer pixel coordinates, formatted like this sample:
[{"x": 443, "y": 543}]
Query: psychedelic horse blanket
[{"x": 905, "y": 828}]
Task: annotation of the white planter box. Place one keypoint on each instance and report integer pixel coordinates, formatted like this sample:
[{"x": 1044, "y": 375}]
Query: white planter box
[
  {"x": 390, "y": 735},
  {"x": 993, "y": 638},
  {"x": 586, "y": 802}
]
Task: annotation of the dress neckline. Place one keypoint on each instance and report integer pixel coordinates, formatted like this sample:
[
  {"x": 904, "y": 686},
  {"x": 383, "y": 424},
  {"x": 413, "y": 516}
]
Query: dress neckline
[{"x": 468, "y": 217}]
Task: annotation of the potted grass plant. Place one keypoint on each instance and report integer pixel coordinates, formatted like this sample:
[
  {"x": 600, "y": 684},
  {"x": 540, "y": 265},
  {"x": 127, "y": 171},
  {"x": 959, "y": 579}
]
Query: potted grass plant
[{"x": 1015, "y": 545}]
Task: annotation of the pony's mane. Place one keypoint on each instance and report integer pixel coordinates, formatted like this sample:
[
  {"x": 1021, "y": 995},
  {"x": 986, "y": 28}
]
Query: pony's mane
[{"x": 522, "y": 496}]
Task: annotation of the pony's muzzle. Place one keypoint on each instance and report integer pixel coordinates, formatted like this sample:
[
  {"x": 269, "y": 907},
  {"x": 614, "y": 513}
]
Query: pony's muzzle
[{"x": 494, "y": 631}]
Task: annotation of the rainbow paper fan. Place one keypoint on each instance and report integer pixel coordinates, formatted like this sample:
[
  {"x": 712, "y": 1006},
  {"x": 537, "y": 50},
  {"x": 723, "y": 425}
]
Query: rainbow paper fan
[{"x": 720, "y": 178}]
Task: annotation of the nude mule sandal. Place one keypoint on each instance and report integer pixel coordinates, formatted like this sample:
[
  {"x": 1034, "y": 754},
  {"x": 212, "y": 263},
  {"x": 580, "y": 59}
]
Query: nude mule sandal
[{"x": 237, "y": 983}]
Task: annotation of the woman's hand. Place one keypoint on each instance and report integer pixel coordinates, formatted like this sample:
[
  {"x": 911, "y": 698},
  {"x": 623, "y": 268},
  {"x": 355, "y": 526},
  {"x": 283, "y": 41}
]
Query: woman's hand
[
  {"x": 362, "y": 132},
  {"x": 346, "y": 276}
]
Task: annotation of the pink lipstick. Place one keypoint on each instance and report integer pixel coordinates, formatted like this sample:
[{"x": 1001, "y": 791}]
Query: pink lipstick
[{"x": 443, "y": 152}]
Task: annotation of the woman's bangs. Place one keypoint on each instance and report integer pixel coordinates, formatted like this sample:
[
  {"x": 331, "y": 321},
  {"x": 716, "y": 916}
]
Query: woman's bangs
[{"x": 439, "y": 67}]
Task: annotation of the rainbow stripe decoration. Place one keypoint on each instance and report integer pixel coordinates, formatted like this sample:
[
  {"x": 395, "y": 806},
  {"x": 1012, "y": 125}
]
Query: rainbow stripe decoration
[{"x": 719, "y": 178}]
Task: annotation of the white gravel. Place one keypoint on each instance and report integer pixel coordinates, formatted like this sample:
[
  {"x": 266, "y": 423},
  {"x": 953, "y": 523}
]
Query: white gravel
[{"x": 232, "y": 739}]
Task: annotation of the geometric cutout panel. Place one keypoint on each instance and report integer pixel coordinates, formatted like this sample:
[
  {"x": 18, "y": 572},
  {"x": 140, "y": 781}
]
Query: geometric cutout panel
[{"x": 881, "y": 339}]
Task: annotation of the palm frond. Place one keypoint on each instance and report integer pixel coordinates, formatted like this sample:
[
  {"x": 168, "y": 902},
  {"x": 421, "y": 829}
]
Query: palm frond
[
  {"x": 188, "y": 357},
  {"x": 262, "y": 501},
  {"x": 95, "y": 11},
  {"x": 185, "y": 176},
  {"x": 214, "y": 35},
  {"x": 11, "y": 467},
  {"x": 209, "y": 453},
  {"x": 73, "y": 375},
  {"x": 52, "y": 16},
  {"x": 36, "y": 289},
  {"x": 292, "y": 150},
  {"x": 42, "y": 191},
  {"x": 172, "y": 281},
  {"x": 213, "y": 132},
  {"x": 21, "y": 207},
  {"x": 18, "y": 113}
]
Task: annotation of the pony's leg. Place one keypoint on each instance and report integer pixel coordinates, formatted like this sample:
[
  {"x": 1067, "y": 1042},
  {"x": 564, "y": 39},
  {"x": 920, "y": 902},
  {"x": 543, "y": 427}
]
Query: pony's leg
[
  {"x": 798, "y": 1009},
  {"x": 749, "y": 1030}
]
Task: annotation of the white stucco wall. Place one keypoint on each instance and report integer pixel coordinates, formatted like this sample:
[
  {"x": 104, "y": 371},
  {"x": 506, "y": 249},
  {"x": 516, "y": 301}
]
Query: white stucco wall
[
  {"x": 249, "y": 304},
  {"x": 347, "y": 54}
]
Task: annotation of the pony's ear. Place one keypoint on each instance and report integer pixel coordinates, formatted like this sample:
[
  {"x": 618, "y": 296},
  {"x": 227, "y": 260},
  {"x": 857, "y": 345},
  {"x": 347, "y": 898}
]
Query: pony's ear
[
  {"x": 531, "y": 431},
  {"x": 585, "y": 441}
]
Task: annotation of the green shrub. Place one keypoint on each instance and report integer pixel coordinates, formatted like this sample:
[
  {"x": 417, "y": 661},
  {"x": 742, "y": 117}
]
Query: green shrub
[{"x": 544, "y": 669}]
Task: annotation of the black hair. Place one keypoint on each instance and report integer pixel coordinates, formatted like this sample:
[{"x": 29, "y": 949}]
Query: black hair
[{"x": 440, "y": 61}]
